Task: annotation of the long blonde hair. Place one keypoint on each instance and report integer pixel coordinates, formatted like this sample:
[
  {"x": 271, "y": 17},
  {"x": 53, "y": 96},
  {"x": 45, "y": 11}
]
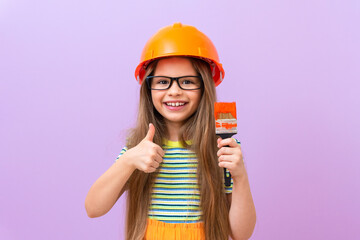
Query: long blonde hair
[{"x": 200, "y": 128}]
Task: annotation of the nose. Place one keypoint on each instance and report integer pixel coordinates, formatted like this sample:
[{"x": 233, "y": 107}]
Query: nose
[{"x": 174, "y": 89}]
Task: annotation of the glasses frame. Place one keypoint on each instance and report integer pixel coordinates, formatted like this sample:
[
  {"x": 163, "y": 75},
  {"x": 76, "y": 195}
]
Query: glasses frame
[{"x": 172, "y": 79}]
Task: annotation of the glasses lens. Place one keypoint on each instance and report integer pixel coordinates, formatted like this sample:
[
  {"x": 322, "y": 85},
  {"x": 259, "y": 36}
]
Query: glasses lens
[
  {"x": 190, "y": 82},
  {"x": 160, "y": 83},
  {"x": 185, "y": 82}
]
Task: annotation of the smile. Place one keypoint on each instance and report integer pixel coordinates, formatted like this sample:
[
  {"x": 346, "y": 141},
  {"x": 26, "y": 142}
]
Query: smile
[{"x": 175, "y": 104}]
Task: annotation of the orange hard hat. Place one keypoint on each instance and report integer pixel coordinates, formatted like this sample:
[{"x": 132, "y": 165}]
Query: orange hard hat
[{"x": 180, "y": 40}]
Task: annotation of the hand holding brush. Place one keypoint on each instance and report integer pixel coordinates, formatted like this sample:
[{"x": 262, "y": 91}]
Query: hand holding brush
[{"x": 229, "y": 153}]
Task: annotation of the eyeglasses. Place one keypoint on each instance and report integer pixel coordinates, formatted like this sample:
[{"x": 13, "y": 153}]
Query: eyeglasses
[{"x": 184, "y": 82}]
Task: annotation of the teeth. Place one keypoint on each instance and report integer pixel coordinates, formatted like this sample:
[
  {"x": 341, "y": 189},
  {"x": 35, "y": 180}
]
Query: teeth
[{"x": 175, "y": 104}]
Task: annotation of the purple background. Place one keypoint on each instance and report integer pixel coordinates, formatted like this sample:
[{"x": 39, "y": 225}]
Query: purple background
[{"x": 68, "y": 96}]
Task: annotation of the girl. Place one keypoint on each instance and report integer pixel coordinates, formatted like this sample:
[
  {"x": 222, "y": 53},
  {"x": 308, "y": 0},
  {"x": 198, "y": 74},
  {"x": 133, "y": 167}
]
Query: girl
[{"x": 172, "y": 164}]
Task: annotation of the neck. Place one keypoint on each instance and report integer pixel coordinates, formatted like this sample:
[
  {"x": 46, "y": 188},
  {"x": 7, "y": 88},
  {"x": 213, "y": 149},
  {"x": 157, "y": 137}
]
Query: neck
[{"x": 173, "y": 129}]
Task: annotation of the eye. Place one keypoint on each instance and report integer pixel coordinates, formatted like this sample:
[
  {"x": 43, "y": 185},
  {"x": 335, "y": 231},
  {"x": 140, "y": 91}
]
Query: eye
[
  {"x": 162, "y": 81},
  {"x": 187, "y": 82}
]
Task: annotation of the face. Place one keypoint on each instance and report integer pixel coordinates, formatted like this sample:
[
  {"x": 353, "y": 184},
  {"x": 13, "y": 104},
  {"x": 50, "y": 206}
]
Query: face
[{"x": 174, "y": 104}]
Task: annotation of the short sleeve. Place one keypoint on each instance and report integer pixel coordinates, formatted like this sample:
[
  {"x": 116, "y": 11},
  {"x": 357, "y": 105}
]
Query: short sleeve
[
  {"x": 229, "y": 188},
  {"x": 121, "y": 153}
]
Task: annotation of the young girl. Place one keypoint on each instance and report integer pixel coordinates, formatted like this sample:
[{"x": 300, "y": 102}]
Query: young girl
[{"x": 172, "y": 165}]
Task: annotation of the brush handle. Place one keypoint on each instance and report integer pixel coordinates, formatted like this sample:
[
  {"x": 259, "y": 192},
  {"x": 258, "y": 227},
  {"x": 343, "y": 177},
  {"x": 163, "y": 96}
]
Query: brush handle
[{"x": 227, "y": 175}]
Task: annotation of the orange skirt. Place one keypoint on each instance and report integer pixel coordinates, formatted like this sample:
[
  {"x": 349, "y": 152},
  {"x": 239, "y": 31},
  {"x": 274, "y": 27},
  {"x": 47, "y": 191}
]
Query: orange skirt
[{"x": 157, "y": 230}]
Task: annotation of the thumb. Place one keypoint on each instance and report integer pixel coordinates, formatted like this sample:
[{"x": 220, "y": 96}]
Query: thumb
[
  {"x": 218, "y": 141},
  {"x": 151, "y": 132}
]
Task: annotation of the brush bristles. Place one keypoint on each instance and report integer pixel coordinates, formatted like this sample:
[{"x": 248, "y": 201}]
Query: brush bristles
[
  {"x": 225, "y": 118},
  {"x": 224, "y": 108}
]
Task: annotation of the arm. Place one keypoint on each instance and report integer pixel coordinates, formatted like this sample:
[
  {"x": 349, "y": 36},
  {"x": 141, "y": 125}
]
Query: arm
[
  {"x": 108, "y": 188},
  {"x": 242, "y": 215},
  {"x": 104, "y": 193}
]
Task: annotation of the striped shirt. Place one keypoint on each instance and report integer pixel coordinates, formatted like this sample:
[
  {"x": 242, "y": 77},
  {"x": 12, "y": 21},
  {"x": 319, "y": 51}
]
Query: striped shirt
[{"x": 175, "y": 194}]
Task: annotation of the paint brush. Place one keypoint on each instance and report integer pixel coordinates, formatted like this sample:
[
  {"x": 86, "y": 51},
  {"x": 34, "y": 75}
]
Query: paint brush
[{"x": 225, "y": 126}]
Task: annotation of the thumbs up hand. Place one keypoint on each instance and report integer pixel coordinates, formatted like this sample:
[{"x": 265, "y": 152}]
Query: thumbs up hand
[{"x": 146, "y": 156}]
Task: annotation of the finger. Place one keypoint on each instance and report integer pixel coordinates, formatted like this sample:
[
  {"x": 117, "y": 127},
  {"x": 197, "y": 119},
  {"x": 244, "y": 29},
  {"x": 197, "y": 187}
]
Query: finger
[
  {"x": 151, "y": 132},
  {"x": 227, "y": 165},
  {"x": 160, "y": 151},
  {"x": 225, "y": 151},
  {"x": 218, "y": 140},
  {"x": 230, "y": 142},
  {"x": 158, "y": 158},
  {"x": 155, "y": 164},
  {"x": 147, "y": 166},
  {"x": 226, "y": 158},
  {"x": 149, "y": 169}
]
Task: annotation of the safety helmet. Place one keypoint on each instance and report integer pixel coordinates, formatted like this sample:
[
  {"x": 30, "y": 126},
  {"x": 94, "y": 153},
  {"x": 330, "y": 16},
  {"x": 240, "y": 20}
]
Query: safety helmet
[{"x": 180, "y": 40}]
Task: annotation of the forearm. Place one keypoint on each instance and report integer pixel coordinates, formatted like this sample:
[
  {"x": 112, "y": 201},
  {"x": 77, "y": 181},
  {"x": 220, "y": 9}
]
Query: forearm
[
  {"x": 104, "y": 193},
  {"x": 242, "y": 213}
]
